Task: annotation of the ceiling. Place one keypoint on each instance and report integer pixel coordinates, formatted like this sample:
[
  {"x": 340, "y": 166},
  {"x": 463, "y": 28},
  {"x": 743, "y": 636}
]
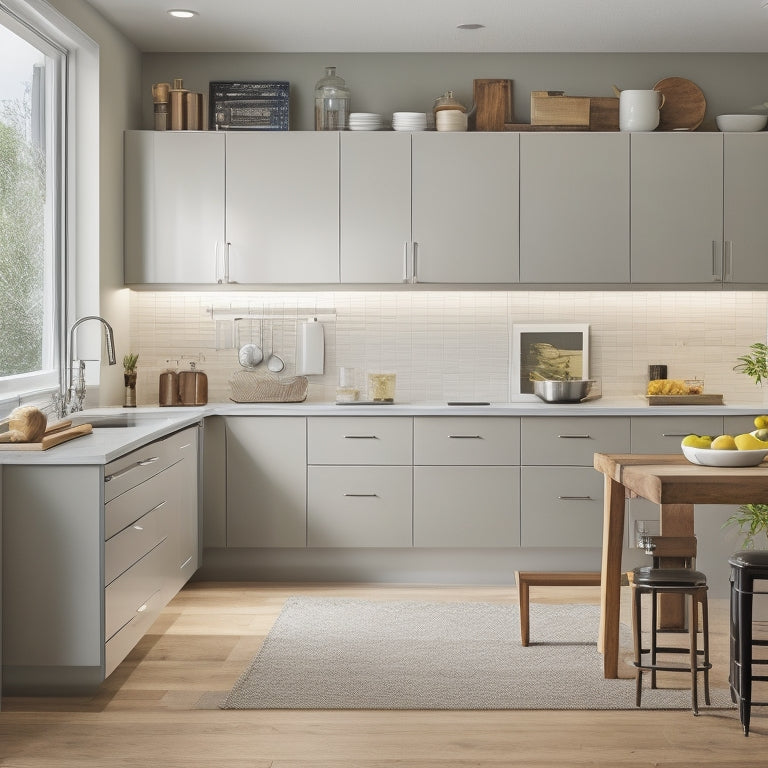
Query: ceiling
[{"x": 365, "y": 26}]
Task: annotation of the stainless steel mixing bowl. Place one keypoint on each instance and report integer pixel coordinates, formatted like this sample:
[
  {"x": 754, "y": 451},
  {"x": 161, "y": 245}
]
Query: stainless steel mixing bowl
[{"x": 552, "y": 391}]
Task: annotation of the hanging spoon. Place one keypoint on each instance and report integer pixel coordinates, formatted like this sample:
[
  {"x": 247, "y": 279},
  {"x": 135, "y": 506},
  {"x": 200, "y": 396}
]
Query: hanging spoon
[{"x": 275, "y": 362}]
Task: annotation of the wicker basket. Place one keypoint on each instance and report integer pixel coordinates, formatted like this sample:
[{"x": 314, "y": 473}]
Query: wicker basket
[{"x": 249, "y": 387}]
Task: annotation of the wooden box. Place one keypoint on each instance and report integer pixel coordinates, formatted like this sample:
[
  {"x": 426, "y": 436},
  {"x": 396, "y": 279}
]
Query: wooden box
[
  {"x": 603, "y": 113},
  {"x": 555, "y": 108}
]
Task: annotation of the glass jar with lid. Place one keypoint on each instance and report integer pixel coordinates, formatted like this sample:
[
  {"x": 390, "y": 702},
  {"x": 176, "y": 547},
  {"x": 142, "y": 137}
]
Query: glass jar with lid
[{"x": 331, "y": 102}]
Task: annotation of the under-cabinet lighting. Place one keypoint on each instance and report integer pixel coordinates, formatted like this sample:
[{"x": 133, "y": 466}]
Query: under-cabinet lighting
[{"x": 181, "y": 13}]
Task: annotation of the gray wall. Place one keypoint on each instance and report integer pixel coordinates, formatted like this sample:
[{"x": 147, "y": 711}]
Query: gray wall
[{"x": 384, "y": 83}]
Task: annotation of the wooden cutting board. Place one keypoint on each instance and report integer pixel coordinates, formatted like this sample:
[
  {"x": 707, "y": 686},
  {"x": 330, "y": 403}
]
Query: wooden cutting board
[
  {"x": 685, "y": 399},
  {"x": 684, "y": 104},
  {"x": 54, "y": 436}
]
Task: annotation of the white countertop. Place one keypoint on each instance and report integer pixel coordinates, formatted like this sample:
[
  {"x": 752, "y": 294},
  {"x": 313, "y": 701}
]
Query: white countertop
[{"x": 106, "y": 444}]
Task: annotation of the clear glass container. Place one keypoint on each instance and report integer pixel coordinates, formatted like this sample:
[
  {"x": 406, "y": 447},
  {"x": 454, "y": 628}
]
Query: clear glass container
[
  {"x": 331, "y": 102},
  {"x": 347, "y": 391},
  {"x": 381, "y": 387}
]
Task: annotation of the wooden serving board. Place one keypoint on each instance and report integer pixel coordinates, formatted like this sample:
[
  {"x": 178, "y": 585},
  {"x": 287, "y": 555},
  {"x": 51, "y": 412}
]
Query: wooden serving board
[
  {"x": 684, "y": 399},
  {"x": 684, "y": 104},
  {"x": 54, "y": 436}
]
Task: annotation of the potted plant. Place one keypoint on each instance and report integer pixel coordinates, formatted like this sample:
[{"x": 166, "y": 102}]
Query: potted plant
[
  {"x": 754, "y": 364},
  {"x": 129, "y": 377},
  {"x": 752, "y": 520}
]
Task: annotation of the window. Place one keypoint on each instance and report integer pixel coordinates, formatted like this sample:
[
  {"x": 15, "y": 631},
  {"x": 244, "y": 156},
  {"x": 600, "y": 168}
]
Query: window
[{"x": 32, "y": 70}]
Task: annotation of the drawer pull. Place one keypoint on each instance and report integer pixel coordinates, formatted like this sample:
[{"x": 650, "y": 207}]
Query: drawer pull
[
  {"x": 186, "y": 445},
  {"x": 675, "y": 434},
  {"x": 143, "y": 607},
  {"x": 575, "y": 498},
  {"x": 360, "y": 437},
  {"x": 466, "y": 437},
  {"x": 138, "y": 527},
  {"x": 363, "y": 495},
  {"x": 186, "y": 563},
  {"x": 143, "y": 463},
  {"x": 574, "y": 437}
]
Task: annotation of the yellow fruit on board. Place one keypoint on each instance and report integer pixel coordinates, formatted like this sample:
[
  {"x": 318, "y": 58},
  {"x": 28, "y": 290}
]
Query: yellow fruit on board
[
  {"x": 761, "y": 422},
  {"x": 724, "y": 443},
  {"x": 749, "y": 442},
  {"x": 696, "y": 441}
]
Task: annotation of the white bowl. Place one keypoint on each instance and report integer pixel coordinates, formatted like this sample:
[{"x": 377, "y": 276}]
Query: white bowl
[
  {"x": 743, "y": 123},
  {"x": 710, "y": 457}
]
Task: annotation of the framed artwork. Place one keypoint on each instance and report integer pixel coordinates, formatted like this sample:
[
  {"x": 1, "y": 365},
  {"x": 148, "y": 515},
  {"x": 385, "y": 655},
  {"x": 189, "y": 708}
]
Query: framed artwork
[{"x": 552, "y": 351}]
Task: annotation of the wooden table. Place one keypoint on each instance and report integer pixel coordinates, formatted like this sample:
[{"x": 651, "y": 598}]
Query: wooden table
[{"x": 676, "y": 485}]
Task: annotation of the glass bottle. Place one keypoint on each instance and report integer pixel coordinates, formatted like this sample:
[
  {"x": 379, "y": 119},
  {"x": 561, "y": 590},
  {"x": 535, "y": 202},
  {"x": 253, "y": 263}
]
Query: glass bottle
[{"x": 331, "y": 102}]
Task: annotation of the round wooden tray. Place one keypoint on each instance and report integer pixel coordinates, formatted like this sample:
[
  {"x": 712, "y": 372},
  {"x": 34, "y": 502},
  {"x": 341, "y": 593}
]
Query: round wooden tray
[{"x": 684, "y": 104}]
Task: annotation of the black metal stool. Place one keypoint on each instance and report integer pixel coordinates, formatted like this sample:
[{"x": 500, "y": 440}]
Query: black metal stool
[
  {"x": 746, "y": 567},
  {"x": 656, "y": 581}
]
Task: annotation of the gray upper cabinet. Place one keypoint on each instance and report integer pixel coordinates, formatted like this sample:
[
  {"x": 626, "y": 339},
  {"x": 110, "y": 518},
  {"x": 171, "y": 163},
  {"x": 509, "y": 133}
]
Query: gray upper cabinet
[
  {"x": 677, "y": 207},
  {"x": 574, "y": 208},
  {"x": 282, "y": 207},
  {"x": 375, "y": 206},
  {"x": 174, "y": 206},
  {"x": 465, "y": 217},
  {"x": 745, "y": 226}
]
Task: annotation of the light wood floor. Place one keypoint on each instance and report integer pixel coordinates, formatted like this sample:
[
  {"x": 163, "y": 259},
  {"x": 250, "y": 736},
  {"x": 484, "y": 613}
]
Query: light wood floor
[{"x": 152, "y": 710}]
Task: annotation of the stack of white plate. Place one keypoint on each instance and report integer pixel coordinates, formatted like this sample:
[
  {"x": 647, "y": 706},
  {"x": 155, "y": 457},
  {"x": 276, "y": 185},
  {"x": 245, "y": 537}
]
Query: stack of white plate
[
  {"x": 451, "y": 120},
  {"x": 409, "y": 121},
  {"x": 365, "y": 121}
]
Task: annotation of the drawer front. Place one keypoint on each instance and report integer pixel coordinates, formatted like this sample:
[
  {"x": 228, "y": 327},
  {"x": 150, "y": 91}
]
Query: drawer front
[
  {"x": 571, "y": 440},
  {"x": 466, "y": 507},
  {"x": 359, "y": 507},
  {"x": 132, "y": 592},
  {"x": 127, "y": 508},
  {"x": 360, "y": 440},
  {"x": 467, "y": 440},
  {"x": 136, "y": 467},
  {"x": 128, "y": 547},
  {"x": 663, "y": 434},
  {"x": 561, "y": 507}
]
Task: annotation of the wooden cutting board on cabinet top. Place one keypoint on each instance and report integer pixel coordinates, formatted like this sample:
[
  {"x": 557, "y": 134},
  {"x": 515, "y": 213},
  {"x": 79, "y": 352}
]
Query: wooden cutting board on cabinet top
[{"x": 54, "y": 435}]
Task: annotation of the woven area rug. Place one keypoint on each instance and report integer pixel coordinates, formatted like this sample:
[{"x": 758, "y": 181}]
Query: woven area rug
[{"x": 339, "y": 653}]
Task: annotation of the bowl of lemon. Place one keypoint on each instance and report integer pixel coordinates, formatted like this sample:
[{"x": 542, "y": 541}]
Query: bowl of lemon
[{"x": 745, "y": 450}]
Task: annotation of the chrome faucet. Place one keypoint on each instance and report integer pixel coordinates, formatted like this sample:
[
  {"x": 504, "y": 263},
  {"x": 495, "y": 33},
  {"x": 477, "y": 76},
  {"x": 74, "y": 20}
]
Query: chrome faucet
[{"x": 71, "y": 398}]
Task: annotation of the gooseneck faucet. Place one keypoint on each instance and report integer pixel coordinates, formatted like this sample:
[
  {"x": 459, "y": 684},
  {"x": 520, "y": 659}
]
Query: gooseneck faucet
[{"x": 72, "y": 398}]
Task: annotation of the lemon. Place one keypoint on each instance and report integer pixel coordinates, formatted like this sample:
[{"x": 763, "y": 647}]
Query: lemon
[
  {"x": 724, "y": 443},
  {"x": 749, "y": 442},
  {"x": 761, "y": 422},
  {"x": 760, "y": 434},
  {"x": 696, "y": 441}
]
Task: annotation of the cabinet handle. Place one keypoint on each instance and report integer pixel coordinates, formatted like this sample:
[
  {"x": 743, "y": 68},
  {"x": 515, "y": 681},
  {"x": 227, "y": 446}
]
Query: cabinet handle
[
  {"x": 575, "y": 498},
  {"x": 186, "y": 563},
  {"x": 675, "y": 434},
  {"x": 465, "y": 437},
  {"x": 360, "y": 437},
  {"x": 414, "y": 272},
  {"x": 138, "y": 527},
  {"x": 728, "y": 261},
  {"x": 574, "y": 437},
  {"x": 716, "y": 269},
  {"x": 405, "y": 261},
  {"x": 125, "y": 471},
  {"x": 226, "y": 263},
  {"x": 363, "y": 495},
  {"x": 186, "y": 445}
]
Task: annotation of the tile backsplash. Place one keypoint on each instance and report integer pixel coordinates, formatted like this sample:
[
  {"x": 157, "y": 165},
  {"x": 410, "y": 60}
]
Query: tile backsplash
[{"x": 452, "y": 345}]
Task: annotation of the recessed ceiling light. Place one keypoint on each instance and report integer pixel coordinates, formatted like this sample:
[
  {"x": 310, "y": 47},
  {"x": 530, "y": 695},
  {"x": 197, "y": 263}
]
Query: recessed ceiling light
[
  {"x": 478, "y": 26},
  {"x": 181, "y": 13}
]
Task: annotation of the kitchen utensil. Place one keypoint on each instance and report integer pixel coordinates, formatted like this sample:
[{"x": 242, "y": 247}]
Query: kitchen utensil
[
  {"x": 250, "y": 355},
  {"x": 639, "y": 109},
  {"x": 741, "y": 123},
  {"x": 553, "y": 391},
  {"x": 49, "y": 439},
  {"x": 616, "y": 91},
  {"x": 193, "y": 386},
  {"x": 275, "y": 363},
  {"x": 684, "y": 104}
]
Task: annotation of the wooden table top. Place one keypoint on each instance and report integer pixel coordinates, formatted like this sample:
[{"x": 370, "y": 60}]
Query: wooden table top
[{"x": 672, "y": 479}]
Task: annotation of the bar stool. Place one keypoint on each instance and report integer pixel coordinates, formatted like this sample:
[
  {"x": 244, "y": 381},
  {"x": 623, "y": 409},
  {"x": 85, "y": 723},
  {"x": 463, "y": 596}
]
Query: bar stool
[
  {"x": 746, "y": 567},
  {"x": 655, "y": 581}
]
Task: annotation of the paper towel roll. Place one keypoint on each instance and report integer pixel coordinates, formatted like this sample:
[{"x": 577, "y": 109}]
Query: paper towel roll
[{"x": 310, "y": 348}]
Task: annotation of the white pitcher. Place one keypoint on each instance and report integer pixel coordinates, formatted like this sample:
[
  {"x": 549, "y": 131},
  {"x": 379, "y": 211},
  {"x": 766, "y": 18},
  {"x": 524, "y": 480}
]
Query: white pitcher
[{"x": 639, "y": 110}]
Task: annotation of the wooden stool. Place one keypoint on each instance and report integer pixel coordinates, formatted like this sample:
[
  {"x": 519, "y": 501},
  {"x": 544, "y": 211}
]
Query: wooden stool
[{"x": 527, "y": 579}]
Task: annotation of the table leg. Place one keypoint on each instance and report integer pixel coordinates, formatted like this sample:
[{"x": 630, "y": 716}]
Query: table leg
[
  {"x": 676, "y": 520},
  {"x": 610, "y": 579}
]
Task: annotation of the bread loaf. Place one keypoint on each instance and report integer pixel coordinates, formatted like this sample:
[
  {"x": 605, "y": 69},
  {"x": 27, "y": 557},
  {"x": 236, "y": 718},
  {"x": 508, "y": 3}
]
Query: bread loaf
[{"x": 26, "y": 424}]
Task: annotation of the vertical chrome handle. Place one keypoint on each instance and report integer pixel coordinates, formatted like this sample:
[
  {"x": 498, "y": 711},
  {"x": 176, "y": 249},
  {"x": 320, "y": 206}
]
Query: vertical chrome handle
[
  {"x": 414, "y": 270},
  {"x": 728, "y": 261},
  {"x": 717, "y": 271},
  {"x": 405, "y": 261},
  {"x": 216, "y": 262},
  {"x": 226, "y": 263}
]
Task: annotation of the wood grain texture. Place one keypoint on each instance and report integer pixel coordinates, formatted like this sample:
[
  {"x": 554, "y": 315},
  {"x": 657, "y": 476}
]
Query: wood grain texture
[
  {"x": 493, "y": 104},
  {"x": 148, "y": 713},
  {"x": 684, "y": 104},
  {"x": 50, "y": 439}
]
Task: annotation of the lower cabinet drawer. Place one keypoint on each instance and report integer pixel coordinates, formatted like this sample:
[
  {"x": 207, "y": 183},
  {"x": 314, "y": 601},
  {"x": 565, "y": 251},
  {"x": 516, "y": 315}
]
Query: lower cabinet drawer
[
  {"x": 359, "y": 507},
  {"x": 561, "y": 507},
  {"x": 466, "y": 506},
  {"x": 663, "y": 434},
  {"x": 132, "y": 593}
]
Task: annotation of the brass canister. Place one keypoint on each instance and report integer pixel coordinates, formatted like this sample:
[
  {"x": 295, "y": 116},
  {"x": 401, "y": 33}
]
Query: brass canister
[{"x": 168, "y": 390}]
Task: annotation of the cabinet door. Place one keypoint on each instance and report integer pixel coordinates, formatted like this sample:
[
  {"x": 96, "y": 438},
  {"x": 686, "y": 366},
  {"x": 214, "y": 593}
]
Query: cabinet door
[
  {"x": 266, "y": 481},
  {"x": 466, "y": 207},
  {"x": 466, "y": 506},
  {"x": 745, "y": 224},
  {"x": 663, "y": 434},
  {"x": 677, "y": 207},
  {"x": 188, "y": 550},
  {"x": 283, "y": 207},
  {"x": 375, "y": 220},
  {"x": 574, "y": 208},
  {"x": 174, "y": 206}
]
